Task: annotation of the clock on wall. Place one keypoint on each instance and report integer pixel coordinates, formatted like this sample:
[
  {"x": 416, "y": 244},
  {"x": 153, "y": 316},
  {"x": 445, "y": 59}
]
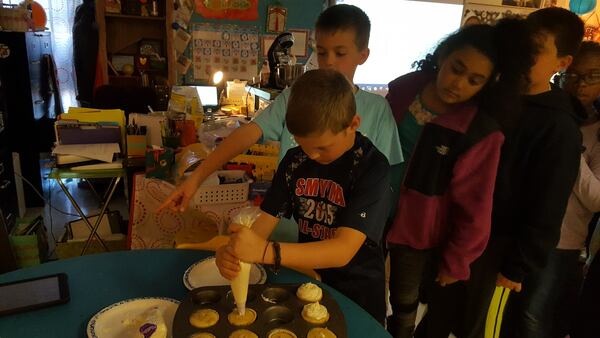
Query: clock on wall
[{"x": 150, "y": 47}]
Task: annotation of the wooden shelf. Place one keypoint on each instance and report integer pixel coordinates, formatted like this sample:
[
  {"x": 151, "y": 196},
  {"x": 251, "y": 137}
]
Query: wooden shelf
[
  {"x": 121, "y": 34},
  {"x": 124, "y": 80},
  {"x": 135, "y": 17},
  {"x": 137, "y": 75},
  {"x": 124, "y": 76}
]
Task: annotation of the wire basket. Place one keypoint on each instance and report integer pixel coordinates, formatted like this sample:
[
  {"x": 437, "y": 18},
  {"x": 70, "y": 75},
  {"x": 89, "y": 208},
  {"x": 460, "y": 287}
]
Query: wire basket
[
  {"x": 13, "y": 18},
  {"x": 227, "y": 192}
]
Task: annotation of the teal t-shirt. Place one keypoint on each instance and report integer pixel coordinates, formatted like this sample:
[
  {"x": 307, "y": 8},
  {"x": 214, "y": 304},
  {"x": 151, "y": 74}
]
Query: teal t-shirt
[{"x": 377, "y": 123}]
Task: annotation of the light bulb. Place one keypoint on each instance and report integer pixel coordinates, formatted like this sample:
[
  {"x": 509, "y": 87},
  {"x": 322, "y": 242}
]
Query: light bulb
[{"x": 217, "y": 77}]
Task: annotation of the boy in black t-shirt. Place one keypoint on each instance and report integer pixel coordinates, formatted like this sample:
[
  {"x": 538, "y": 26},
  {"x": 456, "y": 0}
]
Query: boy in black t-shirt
[{"x": 336, "y": 185}]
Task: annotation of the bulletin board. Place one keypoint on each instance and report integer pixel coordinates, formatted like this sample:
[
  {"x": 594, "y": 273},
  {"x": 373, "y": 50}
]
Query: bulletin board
[
  {"x": 301, "y": 16},
  {"x": 233, "y": 49}
]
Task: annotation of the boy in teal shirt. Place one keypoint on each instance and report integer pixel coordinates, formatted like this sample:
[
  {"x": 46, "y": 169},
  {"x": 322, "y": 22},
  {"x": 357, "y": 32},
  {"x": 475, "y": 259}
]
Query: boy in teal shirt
[
  {"x": 375, "y": 114},
  {"x": 342, "y": 35}
]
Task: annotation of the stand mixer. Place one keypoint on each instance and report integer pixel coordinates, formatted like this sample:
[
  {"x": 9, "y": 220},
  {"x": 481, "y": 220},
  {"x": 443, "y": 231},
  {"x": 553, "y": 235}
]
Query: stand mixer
[{"x": 282, "y": 67}]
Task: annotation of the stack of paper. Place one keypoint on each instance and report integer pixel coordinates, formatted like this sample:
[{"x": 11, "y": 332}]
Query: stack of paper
[
  {"x": 112, "y": 165},
  {"x": 89, "y": 139},
  {"x": 99, "y": 155}
]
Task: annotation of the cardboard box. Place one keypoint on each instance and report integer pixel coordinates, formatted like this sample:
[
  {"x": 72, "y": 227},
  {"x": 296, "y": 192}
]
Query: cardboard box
[
  {"x": 13, "y": 18},
  {"x": 30, "y": 249},
  {"x": 73, "y": 240},
  {"x": 68, "y": 248},
  {"x": 109, "y": 225}
]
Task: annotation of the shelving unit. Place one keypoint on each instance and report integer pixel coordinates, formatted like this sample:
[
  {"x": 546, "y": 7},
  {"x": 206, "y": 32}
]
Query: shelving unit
[
  {"x": 120, "y": 34},
  {"x": 134, "y": 17}
]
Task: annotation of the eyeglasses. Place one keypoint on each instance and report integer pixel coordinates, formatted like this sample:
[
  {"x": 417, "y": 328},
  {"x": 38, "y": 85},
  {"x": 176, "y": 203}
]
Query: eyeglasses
[{"x": 589, "y": 78}]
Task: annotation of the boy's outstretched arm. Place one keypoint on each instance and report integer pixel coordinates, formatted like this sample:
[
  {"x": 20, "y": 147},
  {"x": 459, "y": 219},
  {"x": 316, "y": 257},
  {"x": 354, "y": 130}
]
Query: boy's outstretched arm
[
  {"x": 330, "y": 253},
  {"x": 238, "y": 141},
  {"x": 249, "y": 246}
]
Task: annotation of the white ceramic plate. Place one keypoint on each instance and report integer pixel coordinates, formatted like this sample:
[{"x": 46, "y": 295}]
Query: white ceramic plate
[
  {"x": 113, "y": 321},
  {"x": 206, "y": 273}
]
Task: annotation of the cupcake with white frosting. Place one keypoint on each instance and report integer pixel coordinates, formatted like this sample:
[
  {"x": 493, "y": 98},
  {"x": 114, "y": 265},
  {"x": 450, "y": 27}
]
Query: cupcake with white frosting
[
  {"x": 309, "y": 292},
  {"x": 315, "y": 313}
]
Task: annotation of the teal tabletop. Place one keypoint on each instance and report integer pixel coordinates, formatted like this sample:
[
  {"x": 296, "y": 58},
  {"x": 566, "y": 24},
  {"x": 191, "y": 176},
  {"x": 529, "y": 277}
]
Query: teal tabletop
[{"x": 97, "y": 281}]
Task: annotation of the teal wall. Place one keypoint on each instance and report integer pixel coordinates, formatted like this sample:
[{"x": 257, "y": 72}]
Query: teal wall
[{"x": 302, "y": 14}]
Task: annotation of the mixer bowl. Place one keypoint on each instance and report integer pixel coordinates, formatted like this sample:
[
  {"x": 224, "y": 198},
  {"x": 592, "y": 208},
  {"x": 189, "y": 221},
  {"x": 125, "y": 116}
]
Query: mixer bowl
[{"x": 287, "y": 74}]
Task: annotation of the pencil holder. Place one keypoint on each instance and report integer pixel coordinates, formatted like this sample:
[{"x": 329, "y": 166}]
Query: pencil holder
[
  {"x": 136, "y": 145},
  {"x": 187, "y": 132},
  {"x": 159, "y": 162},
  {"x": 172, "y": 141}
]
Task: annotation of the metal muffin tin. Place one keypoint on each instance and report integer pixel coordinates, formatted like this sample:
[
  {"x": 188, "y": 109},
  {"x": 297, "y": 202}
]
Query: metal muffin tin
[{"x": 276, "y": 306}]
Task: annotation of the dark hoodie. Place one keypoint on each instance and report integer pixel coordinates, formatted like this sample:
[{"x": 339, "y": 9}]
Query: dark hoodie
[
  {"x": 85, "y": 51},
  {"x": 538, "y": 167}
]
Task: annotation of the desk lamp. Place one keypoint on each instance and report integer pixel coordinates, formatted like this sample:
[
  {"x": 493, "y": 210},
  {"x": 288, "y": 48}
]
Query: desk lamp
[{"x": 217, "y": 80}]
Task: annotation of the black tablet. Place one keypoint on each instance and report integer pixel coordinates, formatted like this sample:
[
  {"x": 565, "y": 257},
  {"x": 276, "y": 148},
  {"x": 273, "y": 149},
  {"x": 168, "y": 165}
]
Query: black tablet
[{"x": 34, "y": 293}]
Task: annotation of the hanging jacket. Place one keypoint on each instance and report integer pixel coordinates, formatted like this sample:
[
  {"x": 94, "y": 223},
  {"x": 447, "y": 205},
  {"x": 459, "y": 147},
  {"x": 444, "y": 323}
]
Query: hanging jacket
[
  {"x": 85, "y": 51},
  {"x": 50, "y": 90}
]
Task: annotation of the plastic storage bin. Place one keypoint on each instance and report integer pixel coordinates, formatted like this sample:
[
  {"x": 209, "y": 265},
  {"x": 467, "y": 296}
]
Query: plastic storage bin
[{"x": 225, "y": 192}]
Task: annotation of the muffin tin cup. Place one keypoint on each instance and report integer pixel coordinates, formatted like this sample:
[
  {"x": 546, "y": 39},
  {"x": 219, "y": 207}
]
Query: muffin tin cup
[{"x": 276, "y": 306}]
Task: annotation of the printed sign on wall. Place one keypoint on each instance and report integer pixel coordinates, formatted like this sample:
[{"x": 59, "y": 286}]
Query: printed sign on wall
[{"x": 246, "y": 10}]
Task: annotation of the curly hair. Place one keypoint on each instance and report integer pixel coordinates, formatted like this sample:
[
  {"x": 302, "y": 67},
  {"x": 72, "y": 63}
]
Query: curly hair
[{"x": 509, "y": 47}]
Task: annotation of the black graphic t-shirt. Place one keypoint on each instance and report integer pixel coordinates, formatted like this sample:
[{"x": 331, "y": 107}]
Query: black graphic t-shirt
[{"x": 352, "y": 191}]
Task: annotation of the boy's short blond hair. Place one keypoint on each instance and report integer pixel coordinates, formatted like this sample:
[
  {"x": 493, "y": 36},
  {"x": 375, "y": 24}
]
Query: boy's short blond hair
[
  {"x": 320, "y": 100},
  {"x": 346, "y": 17}
]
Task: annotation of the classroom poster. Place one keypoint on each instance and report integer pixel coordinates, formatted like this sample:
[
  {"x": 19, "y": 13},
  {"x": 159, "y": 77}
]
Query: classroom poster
[
  {"x": 592, "y": 24},
  {"x": 246, "y": 10},
  {"x": 489, "y": 14},
  {"x": 490, "y": 11},
  {"x": 230, "y": 48}
]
